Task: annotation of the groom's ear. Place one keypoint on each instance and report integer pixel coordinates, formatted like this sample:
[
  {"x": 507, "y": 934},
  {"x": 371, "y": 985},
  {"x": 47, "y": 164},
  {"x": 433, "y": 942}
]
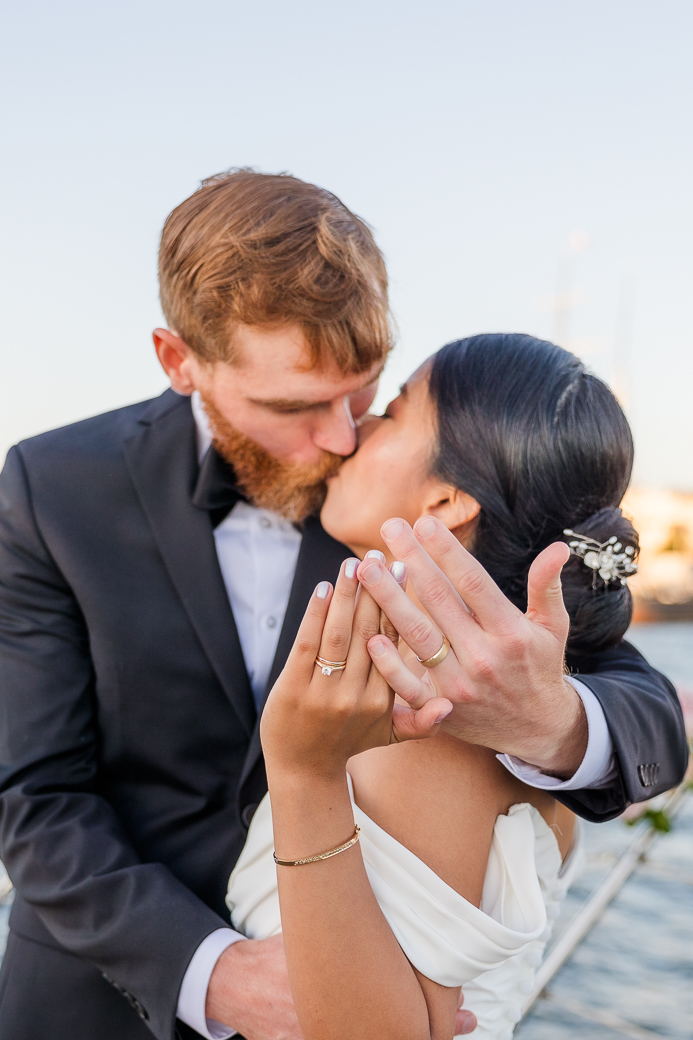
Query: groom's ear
[
  {"x": 454, "y": 508},
  {"x": 176, "y": 359}
]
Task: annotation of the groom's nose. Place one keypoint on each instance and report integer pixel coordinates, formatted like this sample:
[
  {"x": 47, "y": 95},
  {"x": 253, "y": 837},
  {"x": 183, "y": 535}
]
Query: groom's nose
[{"x": 335, "y": 430}]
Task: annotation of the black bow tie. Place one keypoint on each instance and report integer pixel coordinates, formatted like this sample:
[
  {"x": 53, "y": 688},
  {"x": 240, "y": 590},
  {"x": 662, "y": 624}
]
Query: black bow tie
[{"x": 216, "y": 490}]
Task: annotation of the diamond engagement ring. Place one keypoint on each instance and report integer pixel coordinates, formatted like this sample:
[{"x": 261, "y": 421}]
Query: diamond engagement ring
[
  {"x": 431, "y": 662},
  {"x": 328, "y": 667}
]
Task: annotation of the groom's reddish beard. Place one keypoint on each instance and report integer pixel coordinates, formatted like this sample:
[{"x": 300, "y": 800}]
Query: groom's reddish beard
[{"x": 294, "y": 490}]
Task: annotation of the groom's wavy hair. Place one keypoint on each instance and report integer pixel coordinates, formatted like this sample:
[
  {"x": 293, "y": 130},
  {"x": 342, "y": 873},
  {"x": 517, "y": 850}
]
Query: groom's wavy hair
[
  {"x": 271, "y": 250},
  {"x": 543, "y": 446}
]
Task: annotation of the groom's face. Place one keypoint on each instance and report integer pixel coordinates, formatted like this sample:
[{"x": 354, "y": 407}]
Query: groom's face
[
  {"x": 274, "y": 396},
  {"x": 283, "y": 424}
]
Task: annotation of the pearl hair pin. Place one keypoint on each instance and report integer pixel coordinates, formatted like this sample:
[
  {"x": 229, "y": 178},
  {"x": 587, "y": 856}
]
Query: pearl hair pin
[{"x": 609, "y": 560}]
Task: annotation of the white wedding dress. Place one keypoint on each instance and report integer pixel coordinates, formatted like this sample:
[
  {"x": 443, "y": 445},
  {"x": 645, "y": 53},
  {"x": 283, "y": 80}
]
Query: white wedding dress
[{"x": 492, "y": 952}]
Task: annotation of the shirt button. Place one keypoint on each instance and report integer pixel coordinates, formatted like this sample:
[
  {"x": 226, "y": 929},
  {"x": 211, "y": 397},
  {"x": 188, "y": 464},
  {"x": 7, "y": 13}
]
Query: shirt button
[
  {"x": 264, "y": 522},
  {"x": 271, "y": 622}
]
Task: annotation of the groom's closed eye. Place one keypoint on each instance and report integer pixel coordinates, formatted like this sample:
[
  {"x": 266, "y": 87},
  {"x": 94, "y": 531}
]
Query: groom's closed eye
[
  {"x": 286, "y": 407},
  {"x": 359, "y": 402}
]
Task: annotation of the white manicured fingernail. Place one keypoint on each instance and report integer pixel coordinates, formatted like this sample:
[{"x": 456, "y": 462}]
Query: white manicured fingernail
[
  {"x": 322, "y": 590},
  {"x": 426, "y": 527},
  {"x": 350, "y": 568},
  {"x": 375, "y": 554},
  {"x": 398, "y": 570},
  {"x": 392, "y": 528}
]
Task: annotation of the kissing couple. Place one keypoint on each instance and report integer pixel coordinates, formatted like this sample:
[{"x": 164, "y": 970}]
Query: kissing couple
[{"x": 415, "y": 654}]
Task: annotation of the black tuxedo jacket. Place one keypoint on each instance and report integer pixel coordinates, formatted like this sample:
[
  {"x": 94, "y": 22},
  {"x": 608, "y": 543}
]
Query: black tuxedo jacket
[{"x": 130, "y": 759}]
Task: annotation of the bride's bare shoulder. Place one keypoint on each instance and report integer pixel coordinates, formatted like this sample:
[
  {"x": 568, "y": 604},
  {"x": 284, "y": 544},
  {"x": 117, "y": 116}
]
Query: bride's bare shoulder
[{"x": 440, "y": 798}]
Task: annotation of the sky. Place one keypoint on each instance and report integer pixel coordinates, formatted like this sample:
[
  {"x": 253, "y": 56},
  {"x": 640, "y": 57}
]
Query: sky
[{"x": 511, "y": 155}]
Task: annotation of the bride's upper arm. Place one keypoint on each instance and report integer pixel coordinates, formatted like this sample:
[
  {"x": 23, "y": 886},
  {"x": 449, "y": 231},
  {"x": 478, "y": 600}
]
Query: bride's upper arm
[{"x": 440, "y": 798}]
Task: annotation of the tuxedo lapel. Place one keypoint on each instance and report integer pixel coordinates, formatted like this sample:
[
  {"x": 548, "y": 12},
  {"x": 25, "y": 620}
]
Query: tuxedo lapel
[
  {"x": 162, "y": 460},
  {"x": 319, "y": 559}
]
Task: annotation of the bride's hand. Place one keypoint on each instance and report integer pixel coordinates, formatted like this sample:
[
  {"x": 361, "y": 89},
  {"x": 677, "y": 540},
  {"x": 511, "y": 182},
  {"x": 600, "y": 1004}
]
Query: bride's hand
[{"x": 315, "y": 722}]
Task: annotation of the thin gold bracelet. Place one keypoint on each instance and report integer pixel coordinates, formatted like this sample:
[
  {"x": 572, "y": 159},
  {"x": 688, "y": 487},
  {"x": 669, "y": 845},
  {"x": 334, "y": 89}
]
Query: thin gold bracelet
[{"x": 323, "y": 855}]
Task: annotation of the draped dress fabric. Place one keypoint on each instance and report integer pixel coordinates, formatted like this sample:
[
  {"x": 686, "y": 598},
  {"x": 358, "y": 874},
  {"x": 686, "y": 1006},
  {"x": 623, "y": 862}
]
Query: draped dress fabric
[{"x": 492, "y": 951}]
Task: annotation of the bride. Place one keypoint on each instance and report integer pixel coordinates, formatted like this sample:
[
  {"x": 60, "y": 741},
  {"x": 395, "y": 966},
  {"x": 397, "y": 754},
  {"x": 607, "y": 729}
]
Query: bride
[{"x": 406, "y": 871}]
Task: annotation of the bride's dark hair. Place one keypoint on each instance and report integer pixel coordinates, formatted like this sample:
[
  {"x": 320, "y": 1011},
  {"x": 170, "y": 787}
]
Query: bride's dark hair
[{"x": 542, "y": 445}]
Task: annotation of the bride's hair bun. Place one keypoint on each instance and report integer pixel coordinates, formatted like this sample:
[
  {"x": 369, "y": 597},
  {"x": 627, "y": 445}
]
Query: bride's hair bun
[
  {"x": 543, "y": 446},
  {"x": 600, "y": 612}
]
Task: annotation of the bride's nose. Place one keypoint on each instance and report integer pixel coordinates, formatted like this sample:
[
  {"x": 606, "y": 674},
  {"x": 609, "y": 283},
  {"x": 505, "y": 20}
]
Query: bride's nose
[{"x": 365, "y": 427}]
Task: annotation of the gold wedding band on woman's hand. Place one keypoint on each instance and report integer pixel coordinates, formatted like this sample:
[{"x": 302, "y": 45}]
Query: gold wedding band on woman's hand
[
  {"x": 438, "y": 657},
  {"x": 328, "y": 667}
]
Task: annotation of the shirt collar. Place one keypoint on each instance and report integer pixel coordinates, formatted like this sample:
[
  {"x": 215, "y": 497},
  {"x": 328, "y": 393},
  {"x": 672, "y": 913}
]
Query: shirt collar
[{"x": 202, "y": 428}]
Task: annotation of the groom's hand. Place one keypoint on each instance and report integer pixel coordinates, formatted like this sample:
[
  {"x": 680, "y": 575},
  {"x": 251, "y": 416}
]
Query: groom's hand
[
  {"x": 465, "y": 1021},
  {"x": 504, "y": 672},
  {"x": 249, "y": 991}
]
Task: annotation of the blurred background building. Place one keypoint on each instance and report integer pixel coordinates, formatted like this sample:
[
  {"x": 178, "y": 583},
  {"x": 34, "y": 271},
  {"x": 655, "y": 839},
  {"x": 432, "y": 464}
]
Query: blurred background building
[{"x": 663, "y": 587}]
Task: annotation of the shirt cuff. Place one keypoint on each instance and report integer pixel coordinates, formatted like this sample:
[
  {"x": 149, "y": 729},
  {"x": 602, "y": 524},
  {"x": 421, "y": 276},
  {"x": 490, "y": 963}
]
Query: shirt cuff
[
  {"x": 193, "y": 991},
  {"x": 598, "y": 767}
]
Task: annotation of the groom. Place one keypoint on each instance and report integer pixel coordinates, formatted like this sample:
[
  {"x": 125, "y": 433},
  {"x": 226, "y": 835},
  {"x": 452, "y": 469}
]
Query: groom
[{"x": 155, "y": 563}]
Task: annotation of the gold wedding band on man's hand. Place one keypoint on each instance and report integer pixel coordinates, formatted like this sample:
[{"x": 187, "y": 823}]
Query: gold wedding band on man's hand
[
  {"x": 328, "y": 667},
  {"x": 431, "y": 662}
]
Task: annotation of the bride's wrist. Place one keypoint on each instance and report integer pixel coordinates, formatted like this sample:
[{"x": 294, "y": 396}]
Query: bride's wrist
[
  {"x": 325, "y": 771},
  {"x": 297, "y": 777},
  {"x": 310, "y": 813}
]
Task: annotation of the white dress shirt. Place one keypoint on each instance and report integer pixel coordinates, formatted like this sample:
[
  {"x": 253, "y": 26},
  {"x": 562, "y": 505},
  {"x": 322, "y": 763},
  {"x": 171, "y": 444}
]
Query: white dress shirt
[{"x": 257, "y": 552}]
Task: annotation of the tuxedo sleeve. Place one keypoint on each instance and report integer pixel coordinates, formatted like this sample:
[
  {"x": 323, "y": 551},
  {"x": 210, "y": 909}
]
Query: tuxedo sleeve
[
  {"x": 646, "y": 726},
  {"x": 63, "y": 845}
]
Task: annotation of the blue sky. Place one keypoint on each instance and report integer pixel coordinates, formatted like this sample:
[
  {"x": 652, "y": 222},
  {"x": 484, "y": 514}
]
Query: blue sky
[{"x": 475, "y": 137}]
